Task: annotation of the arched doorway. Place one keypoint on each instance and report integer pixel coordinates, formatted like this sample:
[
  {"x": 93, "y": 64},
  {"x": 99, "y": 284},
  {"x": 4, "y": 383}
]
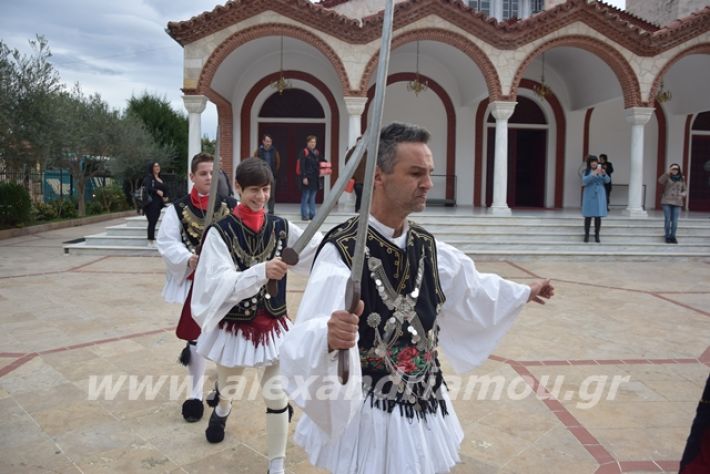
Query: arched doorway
[
  {"x": 289, "y": 118},
  {"x": 699, "y": 172},
  {"x": 527, "y": 156}
]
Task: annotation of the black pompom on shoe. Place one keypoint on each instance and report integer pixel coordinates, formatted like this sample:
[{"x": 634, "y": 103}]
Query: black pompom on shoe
[
  {"x": 215, "y": 430},
  {"x": 212, "y": 398},
  {"x": 192, "y": 410}
]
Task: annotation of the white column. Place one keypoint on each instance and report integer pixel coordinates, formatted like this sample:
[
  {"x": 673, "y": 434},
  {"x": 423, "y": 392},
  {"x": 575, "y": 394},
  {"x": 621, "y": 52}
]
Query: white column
[
  {"x": 355, "y": 107},
  {"x": 195, "y": 105},
  {"x": 638, "y": 117},
  {"x": 502, "y": 112}
]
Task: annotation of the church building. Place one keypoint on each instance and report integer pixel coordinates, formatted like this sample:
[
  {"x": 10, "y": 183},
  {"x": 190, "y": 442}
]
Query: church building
[{"x": 516, "y": 93}]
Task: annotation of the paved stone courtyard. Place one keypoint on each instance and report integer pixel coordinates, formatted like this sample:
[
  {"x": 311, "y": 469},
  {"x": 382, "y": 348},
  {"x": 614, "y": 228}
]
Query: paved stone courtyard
[{"x": 615, "y": 362}]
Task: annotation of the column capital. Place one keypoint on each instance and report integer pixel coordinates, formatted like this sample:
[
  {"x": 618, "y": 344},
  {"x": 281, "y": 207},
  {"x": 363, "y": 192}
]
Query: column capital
[
  {"x": 355, "y": 104},
  {"x": 502, "y": 110},
  {"x": 195, "y": 104},
  {"x": 638, "y": 115}
]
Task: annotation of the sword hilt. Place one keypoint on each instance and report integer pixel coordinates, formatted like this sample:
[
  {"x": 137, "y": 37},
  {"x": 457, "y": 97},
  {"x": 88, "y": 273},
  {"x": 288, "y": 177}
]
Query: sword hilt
[
  {"x": 352, "y": 299},
  {"x": 290, "y": 257}
]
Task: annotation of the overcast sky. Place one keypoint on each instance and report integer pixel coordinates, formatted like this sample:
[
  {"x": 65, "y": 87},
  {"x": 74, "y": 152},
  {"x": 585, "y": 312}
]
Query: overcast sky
[{"x": 115, "y": 48}]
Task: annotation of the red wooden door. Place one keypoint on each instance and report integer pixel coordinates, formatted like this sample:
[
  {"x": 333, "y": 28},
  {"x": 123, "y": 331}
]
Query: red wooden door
[
  {"x": 699, "y": 185},
  {"x": 289, "y": 139}
]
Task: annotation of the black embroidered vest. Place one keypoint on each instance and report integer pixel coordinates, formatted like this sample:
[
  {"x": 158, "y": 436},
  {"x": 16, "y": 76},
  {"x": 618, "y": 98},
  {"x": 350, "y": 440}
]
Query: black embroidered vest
[
  {"x": 249, "y": 248},
  {"x": 398, "y": 329},
  {"x": 193, "y": 219}
]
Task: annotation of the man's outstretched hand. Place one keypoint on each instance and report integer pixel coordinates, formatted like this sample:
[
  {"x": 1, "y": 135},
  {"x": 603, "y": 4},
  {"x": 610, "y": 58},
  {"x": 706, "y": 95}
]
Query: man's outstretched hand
[{"x": 540, "y": 289}]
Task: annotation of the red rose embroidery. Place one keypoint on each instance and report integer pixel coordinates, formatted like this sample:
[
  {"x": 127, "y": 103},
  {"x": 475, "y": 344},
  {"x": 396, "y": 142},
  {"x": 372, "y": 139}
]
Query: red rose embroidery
[{"x": 405, "y": 355}]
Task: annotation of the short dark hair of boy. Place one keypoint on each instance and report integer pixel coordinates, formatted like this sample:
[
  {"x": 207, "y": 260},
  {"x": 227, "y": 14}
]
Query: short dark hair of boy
[
  {"x": 310, "y": 137},
  {"x": 253, "y": 172},
  {"x": 200, "y": 158}
]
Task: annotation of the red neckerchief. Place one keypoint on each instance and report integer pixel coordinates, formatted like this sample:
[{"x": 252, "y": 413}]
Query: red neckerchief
[
  {"x": 254, "y": 220},
  {"x": 198, "y": 201}
]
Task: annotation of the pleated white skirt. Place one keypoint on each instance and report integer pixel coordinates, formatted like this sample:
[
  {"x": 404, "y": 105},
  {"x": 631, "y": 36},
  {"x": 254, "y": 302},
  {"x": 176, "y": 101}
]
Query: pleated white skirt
[
  {"x": 377, "y": 442},
  {"x": 232, "y": 349}
]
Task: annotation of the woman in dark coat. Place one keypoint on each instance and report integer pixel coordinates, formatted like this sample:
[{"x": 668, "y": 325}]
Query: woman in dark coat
[
  {"x": 594, "y": 196},
  {"x": 157, "y": 194},
  {"x": 308, "y": 180}
]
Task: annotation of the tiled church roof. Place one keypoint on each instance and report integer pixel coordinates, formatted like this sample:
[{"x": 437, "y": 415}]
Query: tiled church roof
[{"x": 637, "y": 35}]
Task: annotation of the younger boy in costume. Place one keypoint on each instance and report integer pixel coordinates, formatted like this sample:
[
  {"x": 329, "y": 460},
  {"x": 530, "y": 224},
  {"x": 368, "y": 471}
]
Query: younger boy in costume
[{"x": 243, "y": 324}]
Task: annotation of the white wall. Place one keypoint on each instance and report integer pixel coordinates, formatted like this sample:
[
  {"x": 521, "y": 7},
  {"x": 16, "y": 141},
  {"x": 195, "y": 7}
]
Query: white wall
[{"x": 425, "y": 110}]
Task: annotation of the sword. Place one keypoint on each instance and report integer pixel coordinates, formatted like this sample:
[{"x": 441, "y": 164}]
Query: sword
[
  {"x": 352, "y": 294},
  {"x": 214, "y": 184},
  {"x": 290, "y": 255}
]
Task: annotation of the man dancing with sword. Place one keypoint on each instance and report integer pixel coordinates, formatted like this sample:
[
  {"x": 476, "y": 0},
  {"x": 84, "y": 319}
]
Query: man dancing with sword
[{"x": 418, "y": 295}]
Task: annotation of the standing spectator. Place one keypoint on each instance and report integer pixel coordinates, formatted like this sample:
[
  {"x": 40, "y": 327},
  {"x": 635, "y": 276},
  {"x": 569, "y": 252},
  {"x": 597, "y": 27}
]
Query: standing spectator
[
  {"x": 674, "y": 191},
  {"x": 594, "y": 196},
  {"x": 157, "y": 194},
  {"x": 358, "y": 175},
  {"x": 308, "y": 178},
  {"x": 270, "y": 154},
  {"x": 608, "y": 169}
]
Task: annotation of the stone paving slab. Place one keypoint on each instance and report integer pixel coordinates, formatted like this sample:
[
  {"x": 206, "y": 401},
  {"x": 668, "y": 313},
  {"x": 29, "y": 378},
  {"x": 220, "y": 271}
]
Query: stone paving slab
[{"x": 69, "y": 322}]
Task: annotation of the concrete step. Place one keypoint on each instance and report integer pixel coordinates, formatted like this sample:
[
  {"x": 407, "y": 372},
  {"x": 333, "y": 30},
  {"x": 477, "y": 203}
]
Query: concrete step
[{"x": 482, "y": 236}]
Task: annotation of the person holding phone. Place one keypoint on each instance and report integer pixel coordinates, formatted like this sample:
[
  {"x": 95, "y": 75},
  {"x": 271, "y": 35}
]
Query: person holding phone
[
  {"x": 594, "y": 196},
  {"x": 674, "y": 192}
]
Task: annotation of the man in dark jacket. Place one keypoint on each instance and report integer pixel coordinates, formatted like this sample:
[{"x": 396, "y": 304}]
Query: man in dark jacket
[{"x": 270, "y": 154}]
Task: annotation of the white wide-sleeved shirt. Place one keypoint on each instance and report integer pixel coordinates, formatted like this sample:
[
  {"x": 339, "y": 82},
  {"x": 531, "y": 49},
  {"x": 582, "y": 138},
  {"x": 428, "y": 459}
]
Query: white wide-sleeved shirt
[
  {"x": 175, "y": 255},
  {"x": 341, "y": 432},
  {"x": 219, "y": 285}
]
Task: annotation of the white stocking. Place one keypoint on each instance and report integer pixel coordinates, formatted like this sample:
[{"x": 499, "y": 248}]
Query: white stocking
[
  {"x": 276, "y": 423},
  {"x": 196, "y": 368},
  {"x": 227, "y": 383}
]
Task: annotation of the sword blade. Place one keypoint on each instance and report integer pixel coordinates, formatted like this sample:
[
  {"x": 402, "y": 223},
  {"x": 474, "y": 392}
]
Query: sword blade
[
  {"x": 353, "y": 293},
  {"x": 212, "y": 201},
  {"x": 290, "y": 254}
]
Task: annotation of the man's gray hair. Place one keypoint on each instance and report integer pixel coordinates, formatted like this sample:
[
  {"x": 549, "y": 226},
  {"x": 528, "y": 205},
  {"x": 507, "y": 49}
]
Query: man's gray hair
[{"x": 394, "y": 134}]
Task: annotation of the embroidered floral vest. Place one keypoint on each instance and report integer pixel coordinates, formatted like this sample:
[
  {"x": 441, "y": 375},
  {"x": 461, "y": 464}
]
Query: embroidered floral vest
[{"x": 398, "y": 329}]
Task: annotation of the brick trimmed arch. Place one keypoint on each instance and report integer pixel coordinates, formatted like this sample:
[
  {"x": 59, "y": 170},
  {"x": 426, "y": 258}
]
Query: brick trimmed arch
[
  {"x": 225, "y": 121},
  {"x": 269, "y": 29},
  {"x": 697, "y": 49},
  {"x": 263, "y": 83},
  {"x": 621, "y": 68},
  {"x": 450, "y": 122},
  {"x": 447, "y": 37}
]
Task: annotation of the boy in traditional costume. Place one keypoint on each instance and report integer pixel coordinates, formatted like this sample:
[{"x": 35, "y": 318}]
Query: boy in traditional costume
[
  {"x": 178, "y": 239},
  {"x": 417, "y": 294},
  {"x": 242, "y": 323}
]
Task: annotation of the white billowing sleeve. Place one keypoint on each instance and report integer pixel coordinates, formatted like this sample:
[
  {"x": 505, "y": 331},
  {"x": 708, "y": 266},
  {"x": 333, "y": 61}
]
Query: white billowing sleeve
[
  {"x": 175, "y": 255},
  {"x": 218, "y": 284},
  {"x": 310, "y": 371},
  {"x": 480, "y": 308}
]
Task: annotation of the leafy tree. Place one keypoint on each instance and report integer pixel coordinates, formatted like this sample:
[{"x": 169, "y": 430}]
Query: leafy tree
[
  {"x": 85, "y": 128},
  {"x": 208, "y": 145},
  {"x": 28, "y": 85},
  {"x": 168, "y": 127},
  {"x": 133, "y": 149}
]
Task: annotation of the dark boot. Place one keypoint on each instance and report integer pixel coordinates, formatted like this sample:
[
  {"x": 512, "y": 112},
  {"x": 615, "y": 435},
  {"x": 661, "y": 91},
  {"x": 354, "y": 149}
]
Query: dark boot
[
  {"x": 597, "y": 226},
  {"x": 215, "y": 430},
  {"x": 192, "y": 410},
  {"x": 587, "y": 223}
]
